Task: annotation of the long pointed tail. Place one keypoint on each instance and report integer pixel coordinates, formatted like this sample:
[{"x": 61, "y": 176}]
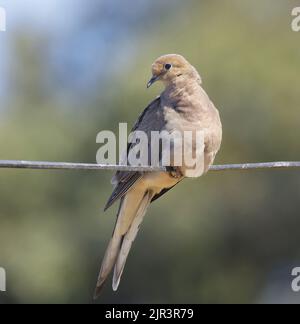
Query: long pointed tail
[
  {"x": 129, "y": 239},
  {"x": 130, "y": 216}
]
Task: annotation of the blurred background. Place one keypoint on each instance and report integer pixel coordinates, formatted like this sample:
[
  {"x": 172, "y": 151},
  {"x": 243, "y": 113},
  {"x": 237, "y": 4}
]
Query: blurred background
[{"x": 71, "y": 68}]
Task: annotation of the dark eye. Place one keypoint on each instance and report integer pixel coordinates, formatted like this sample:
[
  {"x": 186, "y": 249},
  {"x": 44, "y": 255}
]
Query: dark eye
[{"x": 168, "y": 66}]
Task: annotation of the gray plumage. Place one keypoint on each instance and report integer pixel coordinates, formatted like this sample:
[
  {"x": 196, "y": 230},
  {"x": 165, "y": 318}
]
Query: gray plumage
[{"x": 182, "y": 106}]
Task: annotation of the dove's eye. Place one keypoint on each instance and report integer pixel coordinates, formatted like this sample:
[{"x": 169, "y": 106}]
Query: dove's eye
[{"x": 168, "y": 66}]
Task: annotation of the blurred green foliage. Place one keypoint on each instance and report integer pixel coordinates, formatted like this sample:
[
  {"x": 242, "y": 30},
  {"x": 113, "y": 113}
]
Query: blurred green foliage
[{"x": 217, "y": 239}]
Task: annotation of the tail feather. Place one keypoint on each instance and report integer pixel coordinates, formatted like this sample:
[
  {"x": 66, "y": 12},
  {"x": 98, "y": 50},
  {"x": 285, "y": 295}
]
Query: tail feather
[
  {"x": 108, "y": 262},
  {"x": 129, "y": 239},
  {"x": 130, "y": 216}
]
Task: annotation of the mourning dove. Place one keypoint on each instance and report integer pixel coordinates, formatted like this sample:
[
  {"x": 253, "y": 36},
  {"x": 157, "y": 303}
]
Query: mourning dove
[{"x": 183, "y": 105}]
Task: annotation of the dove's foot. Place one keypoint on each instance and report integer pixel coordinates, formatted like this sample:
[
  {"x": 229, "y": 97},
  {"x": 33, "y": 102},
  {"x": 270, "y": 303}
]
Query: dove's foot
[{"x": 175, "y": 172}]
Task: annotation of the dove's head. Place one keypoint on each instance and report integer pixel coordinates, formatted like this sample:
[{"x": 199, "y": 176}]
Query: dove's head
[{"x": 170, "y": 68}]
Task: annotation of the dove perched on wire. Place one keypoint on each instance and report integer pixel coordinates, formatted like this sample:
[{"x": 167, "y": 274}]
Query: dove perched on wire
[{"x": 183, "y": 105}]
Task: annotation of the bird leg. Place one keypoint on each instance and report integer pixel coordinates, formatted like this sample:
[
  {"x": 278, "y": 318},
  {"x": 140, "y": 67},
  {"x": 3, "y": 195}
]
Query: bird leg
[{"x": 174, "y": 172}]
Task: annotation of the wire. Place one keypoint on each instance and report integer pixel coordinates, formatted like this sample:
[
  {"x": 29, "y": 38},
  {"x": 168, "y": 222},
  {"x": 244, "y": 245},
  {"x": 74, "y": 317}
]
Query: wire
[{"x": 39, "y": 165}]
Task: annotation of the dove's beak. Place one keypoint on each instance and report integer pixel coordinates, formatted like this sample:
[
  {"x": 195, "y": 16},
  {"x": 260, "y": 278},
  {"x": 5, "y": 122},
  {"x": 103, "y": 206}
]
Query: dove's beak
[{"x": 152, "y": 80}]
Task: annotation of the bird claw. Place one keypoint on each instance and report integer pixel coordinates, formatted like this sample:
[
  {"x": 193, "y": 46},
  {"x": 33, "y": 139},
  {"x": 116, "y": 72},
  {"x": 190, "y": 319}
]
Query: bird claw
[{"x": 175, "y": 172}]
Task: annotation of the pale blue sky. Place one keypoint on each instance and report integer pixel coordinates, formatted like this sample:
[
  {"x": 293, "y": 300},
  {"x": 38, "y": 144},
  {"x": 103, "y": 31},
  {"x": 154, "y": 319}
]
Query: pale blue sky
[
  {"x": 47, "y": 15},
  {"x": 79, "y": 31}
]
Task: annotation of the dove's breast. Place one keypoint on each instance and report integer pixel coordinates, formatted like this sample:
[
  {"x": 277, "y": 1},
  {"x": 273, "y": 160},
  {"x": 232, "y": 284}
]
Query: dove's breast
[{"x": 194, "y": 115}]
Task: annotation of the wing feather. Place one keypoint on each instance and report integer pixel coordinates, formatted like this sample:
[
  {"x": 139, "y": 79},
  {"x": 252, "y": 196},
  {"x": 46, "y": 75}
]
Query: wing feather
[{"x": 124, "y": 180}]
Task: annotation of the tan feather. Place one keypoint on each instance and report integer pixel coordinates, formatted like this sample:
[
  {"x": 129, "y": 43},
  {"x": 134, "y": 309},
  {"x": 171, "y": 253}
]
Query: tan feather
[
  {"x": 130, "y": 206},
  {"x": 129, "y": 239},
  {"x": 182, "y": 106}
]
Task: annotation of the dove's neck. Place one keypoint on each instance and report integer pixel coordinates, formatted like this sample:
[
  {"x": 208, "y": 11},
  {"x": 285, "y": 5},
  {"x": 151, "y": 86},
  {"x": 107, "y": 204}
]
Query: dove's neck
[
  {"x": 188, "y": 82},
  {"x": 182, "y": 86}
]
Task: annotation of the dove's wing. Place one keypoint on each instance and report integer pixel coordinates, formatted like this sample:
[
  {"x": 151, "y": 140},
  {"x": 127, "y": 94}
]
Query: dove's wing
[{"x": 152, "y": 119}]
